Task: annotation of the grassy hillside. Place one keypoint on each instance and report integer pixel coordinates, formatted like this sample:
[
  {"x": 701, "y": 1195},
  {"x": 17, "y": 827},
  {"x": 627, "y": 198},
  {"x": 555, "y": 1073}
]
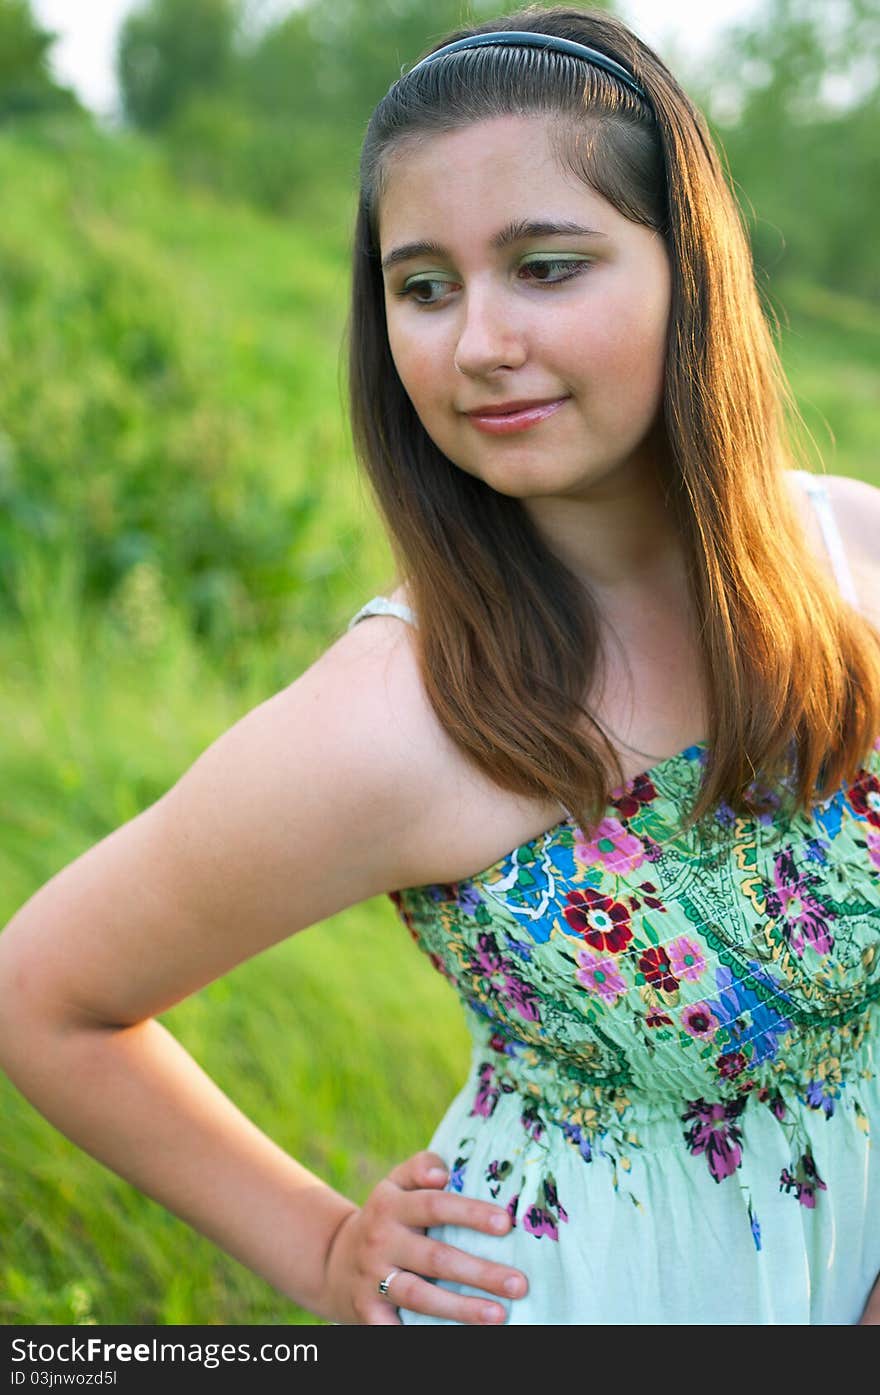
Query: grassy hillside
[
  {"x": 171, "y": 405},
  {"x": 182, "y": 532}
]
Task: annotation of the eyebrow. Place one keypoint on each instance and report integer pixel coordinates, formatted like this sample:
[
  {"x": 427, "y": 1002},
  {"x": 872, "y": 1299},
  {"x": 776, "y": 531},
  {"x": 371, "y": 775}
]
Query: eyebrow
[{"x": 516, "y": 231}]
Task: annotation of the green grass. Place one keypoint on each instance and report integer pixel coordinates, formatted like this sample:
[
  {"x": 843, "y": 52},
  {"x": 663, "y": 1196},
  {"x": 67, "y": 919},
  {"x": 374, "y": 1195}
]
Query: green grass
[
  {"x": 341, "y": 1043},
  {"x": 171, "y": 394},
  {"x": 321, "y": 1040}
]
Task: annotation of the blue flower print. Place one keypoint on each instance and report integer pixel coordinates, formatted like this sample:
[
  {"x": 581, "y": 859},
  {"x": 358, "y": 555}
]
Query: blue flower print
[{"x": 735, "y": 998}]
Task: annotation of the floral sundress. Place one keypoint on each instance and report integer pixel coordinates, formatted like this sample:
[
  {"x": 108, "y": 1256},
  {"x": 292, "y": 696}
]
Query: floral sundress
[{"x": 674, "y": 1083}]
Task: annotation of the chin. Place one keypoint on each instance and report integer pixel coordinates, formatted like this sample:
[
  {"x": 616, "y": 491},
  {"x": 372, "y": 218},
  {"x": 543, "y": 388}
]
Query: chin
[{"x": 518, "y": 484}]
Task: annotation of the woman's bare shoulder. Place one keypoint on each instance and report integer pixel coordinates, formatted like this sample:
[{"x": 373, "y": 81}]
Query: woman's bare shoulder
[
  {"x": 856, "y": 505},
  {"x": 462, "y": 820},
  {"x": 379, "y": 657},
  {"x": 376, "y": 664}
]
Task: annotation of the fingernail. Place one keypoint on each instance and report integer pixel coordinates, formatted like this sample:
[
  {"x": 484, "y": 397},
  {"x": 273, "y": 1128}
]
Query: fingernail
[
  {"x": 436, "y": 1174},
  {"x": 513, "y": 1286},
  {"x": 499, "y": 1222}
]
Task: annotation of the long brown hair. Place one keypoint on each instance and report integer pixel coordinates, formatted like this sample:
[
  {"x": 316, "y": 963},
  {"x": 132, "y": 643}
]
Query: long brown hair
[{"x": 791, "y": 670}]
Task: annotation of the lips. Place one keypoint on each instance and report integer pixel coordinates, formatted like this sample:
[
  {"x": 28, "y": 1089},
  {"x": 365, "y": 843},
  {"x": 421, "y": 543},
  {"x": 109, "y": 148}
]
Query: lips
[
  {"x": 506, "y": 408},
  {"x": 514, "y": 417}
]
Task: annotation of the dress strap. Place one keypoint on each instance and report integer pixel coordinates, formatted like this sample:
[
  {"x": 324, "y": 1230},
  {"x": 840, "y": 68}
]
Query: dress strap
[
  {"x": 818, "y": 491},
  {"x": 380, "y": 605}
]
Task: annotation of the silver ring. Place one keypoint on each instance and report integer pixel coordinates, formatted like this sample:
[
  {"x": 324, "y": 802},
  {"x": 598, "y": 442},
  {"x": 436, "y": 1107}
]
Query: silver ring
[{"x": 385, "y": 1284}]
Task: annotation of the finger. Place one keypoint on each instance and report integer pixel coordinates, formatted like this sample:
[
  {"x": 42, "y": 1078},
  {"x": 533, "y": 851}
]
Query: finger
[
  {"x": 434, "y": 1259},
  {"x": 421, "y": 1209},
  {"x": 425, "y": 1169},
  {"x": 416, "y": 1295},
  {"x": 382, "y": 1314}
]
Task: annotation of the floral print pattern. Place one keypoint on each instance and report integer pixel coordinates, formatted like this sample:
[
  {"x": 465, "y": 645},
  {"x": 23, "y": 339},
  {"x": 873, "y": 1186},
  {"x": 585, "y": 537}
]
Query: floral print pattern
[
  {"x": 602, "y": 922},
  {"x": 617, "y": 1011},
  {"x": 715, "y": 1133}
]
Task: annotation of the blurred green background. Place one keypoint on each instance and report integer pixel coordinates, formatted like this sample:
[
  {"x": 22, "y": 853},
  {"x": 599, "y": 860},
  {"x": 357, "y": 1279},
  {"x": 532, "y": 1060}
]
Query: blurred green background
[{"x": 183, "y": 531}]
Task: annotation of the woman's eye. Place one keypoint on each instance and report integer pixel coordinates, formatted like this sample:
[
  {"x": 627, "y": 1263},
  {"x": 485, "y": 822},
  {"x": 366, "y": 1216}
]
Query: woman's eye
[
  {"x": 422, "y": 285},
  {"x": 541, "y": 267}
]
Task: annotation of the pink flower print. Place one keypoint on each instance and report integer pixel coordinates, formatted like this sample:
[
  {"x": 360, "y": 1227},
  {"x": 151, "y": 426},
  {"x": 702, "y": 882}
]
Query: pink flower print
[
  {"x": 864, "y": 796},
  {"x": 686, "y": 958},
  {"x": 603, "y": 922},
  {"x": 715, "y": 1133},
  {"x": 874, "y": 846},
  {"x": 537, "y": 1221},
  {"x": 600, "y": 976},
  {"x": 699, "y": 1020},
  {"x": 613, "y": 848},
  {"x": 804, "y": 1181},
  {"x": 804, "y": 920},
  {"x": 499, "y": 981},
  {"x": 488, "y": 1093},
  {"x": 544, "y": 1215}
]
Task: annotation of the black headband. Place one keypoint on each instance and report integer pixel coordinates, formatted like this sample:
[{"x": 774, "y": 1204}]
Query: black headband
[{"x": 527, "y": 39}]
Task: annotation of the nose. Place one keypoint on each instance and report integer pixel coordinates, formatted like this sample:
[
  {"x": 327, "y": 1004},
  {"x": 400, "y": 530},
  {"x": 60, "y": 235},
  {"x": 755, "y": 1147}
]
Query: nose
[{"x": 489, "y": 338}]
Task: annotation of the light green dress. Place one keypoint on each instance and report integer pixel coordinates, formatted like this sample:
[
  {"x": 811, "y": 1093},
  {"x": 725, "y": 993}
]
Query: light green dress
[{"x": 674, "y": 1080}]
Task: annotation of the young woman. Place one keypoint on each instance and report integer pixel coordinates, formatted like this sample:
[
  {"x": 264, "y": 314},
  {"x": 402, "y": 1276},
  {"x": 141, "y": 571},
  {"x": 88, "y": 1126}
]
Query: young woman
[{"x": 643, "y": 653}]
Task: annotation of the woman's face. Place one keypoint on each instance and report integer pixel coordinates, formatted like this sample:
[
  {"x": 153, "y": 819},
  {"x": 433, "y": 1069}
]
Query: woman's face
[{"x": 476, "y": 319}]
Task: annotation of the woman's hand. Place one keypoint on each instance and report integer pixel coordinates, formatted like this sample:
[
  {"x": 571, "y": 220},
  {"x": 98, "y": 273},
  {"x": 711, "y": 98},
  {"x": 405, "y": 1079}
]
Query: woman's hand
[{"x": 388, "y": 1233}]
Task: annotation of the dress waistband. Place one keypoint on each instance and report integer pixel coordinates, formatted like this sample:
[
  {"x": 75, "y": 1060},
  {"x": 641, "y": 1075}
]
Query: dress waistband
[{"x": 609, "y": 1089}]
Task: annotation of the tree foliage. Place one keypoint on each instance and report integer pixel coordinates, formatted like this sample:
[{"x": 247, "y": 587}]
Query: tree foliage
[
  {"x": 800, "y": 85},
  {"x": 169, "y": 53},
  {"x": 26, "y": 86}
]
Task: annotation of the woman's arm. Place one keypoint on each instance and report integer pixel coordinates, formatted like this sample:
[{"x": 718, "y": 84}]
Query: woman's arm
[{"x": 299, "y": 810}]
